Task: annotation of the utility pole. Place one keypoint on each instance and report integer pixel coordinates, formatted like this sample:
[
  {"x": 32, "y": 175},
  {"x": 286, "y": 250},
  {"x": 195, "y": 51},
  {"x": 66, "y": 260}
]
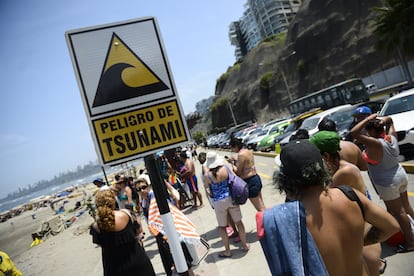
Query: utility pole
[{"x": 231, "y": 111}]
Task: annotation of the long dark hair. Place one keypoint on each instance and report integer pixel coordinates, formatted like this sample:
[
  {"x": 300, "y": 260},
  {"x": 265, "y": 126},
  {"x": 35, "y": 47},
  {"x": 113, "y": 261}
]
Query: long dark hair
[
  {"x": 235, "y": 142},
  {"x": 375, "y": 124}
]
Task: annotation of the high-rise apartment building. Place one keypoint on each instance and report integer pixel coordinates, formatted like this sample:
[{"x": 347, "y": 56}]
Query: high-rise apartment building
[{"x": 261, "y": 18}]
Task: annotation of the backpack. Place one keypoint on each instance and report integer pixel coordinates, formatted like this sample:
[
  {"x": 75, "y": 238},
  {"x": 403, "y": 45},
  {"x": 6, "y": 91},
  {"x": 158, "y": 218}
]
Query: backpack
[{"x": 238, "y": 189}]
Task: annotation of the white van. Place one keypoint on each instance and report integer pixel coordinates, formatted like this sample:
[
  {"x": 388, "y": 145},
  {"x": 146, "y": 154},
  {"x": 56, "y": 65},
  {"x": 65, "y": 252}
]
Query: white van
[{"x": 371, "y": 88}]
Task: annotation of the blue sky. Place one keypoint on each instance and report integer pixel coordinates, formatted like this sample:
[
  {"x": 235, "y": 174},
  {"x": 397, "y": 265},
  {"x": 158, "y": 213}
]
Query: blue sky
[{"x": 44, "y": 129}]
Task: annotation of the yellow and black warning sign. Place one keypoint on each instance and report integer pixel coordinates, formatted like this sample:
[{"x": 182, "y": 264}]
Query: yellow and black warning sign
[
  {"x": 125, "y": 76},
  {"x": 139, "y": 131}
]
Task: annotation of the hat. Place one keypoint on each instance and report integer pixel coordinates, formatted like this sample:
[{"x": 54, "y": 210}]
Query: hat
[
  {"x": 326, "y": 141},
  {"x": 298, "y": 154},
  {"x": 362, "y": 110},
  {"x": 144, "y": 177},
  {"x": 202, "y": 157},
  {"x": 214, "y": 160},
  {"x": 100, "y": 180}
]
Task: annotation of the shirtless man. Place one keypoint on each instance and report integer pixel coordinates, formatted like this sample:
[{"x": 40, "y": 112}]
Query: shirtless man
[
  {"x": 244, "y": 167},
  {"x": 189, "y": 174},
  {"x": 349, "y": 151},
  {"x": 335, "y": 222},
  {"x": 345, "y": 173}
]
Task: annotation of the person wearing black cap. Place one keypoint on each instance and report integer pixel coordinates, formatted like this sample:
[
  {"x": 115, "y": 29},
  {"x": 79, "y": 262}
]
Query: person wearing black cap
[
  {"x": 334, "y": 221},
  {"x": 100, "y": 184}
]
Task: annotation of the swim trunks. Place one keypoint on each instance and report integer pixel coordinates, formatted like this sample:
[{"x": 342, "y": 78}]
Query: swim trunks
[{"x": 192, "y": 184}]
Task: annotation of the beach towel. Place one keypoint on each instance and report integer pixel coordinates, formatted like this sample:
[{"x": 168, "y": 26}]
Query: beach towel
[
  {"x": 286, "y": 242},
  {"x": 184, "y": 226}
]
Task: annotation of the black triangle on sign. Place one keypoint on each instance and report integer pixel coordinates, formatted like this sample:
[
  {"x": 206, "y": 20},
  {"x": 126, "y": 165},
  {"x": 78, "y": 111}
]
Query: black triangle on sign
[{"x": 112, "y": 88}]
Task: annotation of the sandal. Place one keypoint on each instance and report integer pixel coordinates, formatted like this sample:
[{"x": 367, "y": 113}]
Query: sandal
[
  {"x": 403, "y": 249},
  {"x": 382, "y": 270},
  {"x": 246, "y": 249},
  {"x": 222, "y": 255},
  {"x": 237, "y": 239}
]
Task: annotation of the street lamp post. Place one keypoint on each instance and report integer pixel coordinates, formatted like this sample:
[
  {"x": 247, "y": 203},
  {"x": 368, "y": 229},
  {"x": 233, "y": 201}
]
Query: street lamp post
[
  {"x": 286, "y": 84},
  {"x": 231, "y": 111},
  {"x": 284, "y": 76}
]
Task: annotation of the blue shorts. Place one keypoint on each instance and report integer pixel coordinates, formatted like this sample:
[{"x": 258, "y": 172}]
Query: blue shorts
[
  {"x": 192, "y": 184},
  {"x": 255, "y": 185}
]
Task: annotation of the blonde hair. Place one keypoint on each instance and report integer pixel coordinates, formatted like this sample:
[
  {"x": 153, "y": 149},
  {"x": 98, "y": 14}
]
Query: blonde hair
[{"x": 105, "y": 203}]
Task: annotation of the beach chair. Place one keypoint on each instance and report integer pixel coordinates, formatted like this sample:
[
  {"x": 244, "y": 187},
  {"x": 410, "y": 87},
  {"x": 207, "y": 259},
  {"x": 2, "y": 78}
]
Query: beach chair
[
  {"x": 185, "y": 199},
  {"x": 57, "y": 225},
  {"x": 43, "y": 232}
]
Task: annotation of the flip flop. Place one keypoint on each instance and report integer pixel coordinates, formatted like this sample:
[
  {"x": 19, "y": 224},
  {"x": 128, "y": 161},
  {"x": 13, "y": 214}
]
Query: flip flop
[
  {"x": 403, "y": 249},
  {"x": 222, "y": 255},
  {"x": 237, "y": 239},
  {"x": 234, "y": 235},
  {"x": 382, "y": 270},
  {"x": 248, "y": 248}
]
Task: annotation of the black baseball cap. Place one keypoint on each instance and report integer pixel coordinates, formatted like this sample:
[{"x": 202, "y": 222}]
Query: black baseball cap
[{"x": 298, "y": 154}]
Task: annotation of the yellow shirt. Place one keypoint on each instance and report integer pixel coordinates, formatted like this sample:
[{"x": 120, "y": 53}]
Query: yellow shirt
[{"x": 7, "y": 266}]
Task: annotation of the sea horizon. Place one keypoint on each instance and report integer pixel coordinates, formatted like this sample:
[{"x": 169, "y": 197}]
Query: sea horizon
[{"x": 16, "y": 202}]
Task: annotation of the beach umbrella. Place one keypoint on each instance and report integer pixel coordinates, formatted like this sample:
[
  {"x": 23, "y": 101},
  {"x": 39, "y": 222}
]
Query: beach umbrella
[{"x": 184, "y": 226}]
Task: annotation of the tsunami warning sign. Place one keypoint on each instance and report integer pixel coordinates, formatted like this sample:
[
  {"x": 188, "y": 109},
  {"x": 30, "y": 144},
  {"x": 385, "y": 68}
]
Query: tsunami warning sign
[{"x": 127, "y": 89}]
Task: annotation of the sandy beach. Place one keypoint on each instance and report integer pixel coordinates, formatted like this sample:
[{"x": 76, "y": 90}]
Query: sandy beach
[{"x": 16, "y": 236}]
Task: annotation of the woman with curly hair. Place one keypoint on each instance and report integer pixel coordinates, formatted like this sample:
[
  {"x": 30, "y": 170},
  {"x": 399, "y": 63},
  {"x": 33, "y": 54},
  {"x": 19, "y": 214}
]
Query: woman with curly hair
[{"x": 116, "y": 232}]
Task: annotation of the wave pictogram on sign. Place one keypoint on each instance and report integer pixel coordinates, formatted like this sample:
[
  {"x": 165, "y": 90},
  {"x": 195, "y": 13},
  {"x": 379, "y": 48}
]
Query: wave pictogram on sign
[{"x": 125, "y": 76}]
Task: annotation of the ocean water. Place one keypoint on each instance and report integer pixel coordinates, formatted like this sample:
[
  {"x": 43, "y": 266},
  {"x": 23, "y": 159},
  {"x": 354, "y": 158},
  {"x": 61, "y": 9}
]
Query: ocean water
[{"x": 7, "y": 205}]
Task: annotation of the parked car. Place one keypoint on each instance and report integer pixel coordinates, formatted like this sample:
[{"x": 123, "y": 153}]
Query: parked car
[
  {"x": 371, "y": 88},
  {"x": 294, "y": 124},
  {"x": 344, "y": 118},
  {"x": 311, "y": 123},
  {"x": 252, "y": 143},
  {"x": 401, "y": 109},
  {"x": 268, "y": 142}
]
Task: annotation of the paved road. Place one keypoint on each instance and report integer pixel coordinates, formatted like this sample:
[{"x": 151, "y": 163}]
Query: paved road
[{"x": 253, "y": 262}]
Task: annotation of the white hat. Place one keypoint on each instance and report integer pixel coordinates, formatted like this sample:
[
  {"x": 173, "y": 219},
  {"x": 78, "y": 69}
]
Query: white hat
[
  {"x": 144, "y": 177},
  {"x": 214, "y": 160}
]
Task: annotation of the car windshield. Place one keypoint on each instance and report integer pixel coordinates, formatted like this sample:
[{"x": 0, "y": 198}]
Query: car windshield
[
  {"x": 290, "y": 128},
  {"x": 343, "y": 118},
  {"x": 398, "y": 105},
  {"x": 310, "y": 123}
]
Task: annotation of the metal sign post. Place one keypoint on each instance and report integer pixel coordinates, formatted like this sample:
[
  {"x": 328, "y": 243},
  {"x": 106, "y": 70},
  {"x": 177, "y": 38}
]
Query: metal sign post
[{"x": 161, "y": 194}]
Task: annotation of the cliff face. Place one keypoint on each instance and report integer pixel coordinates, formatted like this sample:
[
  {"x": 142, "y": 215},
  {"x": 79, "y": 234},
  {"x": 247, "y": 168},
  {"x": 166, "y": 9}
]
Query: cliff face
[{"x": 329, "y": 41}]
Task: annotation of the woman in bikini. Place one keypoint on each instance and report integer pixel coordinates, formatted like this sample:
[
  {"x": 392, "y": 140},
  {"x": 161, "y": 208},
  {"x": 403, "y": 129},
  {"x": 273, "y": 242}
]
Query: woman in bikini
[
  {"x": 124, "y": 194},
  {"x": 244, "y": 167},
  {"x": 388, "y": 176}
]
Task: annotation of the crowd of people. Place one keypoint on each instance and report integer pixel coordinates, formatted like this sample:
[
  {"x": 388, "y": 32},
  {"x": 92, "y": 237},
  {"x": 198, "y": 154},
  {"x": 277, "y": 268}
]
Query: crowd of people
[{"x": 327, "y": 226}]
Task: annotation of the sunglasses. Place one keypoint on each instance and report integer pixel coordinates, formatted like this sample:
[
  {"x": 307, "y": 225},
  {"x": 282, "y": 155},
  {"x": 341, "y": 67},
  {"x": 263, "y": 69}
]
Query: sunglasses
[{"x": 142, "y": 188}]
